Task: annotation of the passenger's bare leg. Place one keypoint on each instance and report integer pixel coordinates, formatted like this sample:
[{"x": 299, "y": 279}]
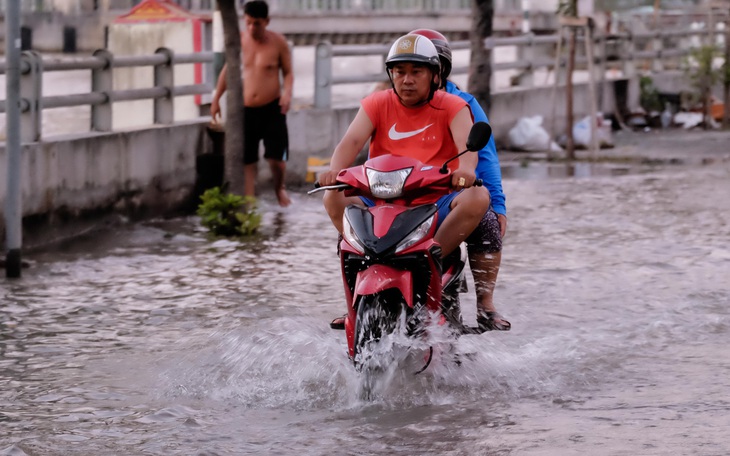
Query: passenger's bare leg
[
  {"x": 467, "y": 210},
  {"x": 278, "y": 172},
  {"x": 484, "y": 268},
  {"x": 250, "y": 172}
]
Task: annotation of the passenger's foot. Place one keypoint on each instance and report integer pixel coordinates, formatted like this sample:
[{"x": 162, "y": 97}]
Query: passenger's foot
[
  {"x": 283, "y": 197},
  {"x": 338, "y": 323},
  {"x": 492, "y": 321}
]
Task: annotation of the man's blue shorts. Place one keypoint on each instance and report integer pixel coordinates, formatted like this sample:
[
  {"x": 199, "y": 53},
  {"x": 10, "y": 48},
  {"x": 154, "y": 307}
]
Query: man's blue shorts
[{"x": 443, "y": 204}]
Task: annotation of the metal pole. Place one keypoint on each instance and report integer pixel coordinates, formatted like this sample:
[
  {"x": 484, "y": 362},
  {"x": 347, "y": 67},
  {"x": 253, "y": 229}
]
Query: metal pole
[
  {"x": 13, "y": 213},
  {"x": 526, "y": 17}
]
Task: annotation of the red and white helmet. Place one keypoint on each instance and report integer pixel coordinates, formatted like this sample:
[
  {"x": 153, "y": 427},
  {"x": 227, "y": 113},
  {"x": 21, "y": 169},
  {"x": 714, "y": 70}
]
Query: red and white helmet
[
  {"x": 442, "y": 47},
  {"x": 414, "y": 49}
]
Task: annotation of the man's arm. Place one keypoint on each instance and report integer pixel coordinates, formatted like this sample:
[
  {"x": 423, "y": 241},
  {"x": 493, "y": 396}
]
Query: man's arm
[
  {"x": 351, "y": 144},
  {"x": 288, "y": 75},
  {"x": 220, "y": 88},
  {"x": 488, "y": 167},
  {"x": 460, "y": 127}
]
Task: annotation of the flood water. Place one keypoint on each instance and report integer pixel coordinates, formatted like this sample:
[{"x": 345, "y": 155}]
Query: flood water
[{"x": 151, "y": 338}]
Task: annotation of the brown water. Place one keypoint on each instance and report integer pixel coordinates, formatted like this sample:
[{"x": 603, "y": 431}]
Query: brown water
[{"x": 152, "y": 339}]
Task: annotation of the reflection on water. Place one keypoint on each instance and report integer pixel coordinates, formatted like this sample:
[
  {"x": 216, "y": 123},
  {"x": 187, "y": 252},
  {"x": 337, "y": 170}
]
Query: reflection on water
[
  {"x": 545, "y": 170},
  {"x": 153, "y": 338}
]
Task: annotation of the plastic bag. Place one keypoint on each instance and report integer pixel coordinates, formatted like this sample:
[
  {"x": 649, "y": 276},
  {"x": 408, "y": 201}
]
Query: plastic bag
[
  {"x": 582, "y": 132},
  {"x": 529, "y": 135}
]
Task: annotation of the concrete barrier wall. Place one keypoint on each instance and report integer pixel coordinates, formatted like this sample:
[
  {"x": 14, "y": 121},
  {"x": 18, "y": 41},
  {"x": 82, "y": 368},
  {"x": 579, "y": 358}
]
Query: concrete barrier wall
[
  {"x": 150, "y": 170},
  {"x": 154, "y": 169}
]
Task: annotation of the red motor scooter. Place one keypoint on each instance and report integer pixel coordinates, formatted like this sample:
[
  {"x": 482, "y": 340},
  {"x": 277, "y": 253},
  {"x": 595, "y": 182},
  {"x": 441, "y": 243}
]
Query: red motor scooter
[{"x": 392, "y": 269}]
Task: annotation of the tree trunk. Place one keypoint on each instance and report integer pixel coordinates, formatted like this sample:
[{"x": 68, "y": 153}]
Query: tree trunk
[
  {"x": 657, "y": 5},
  {"x": 706, "y": 106},
  {"x": 480, "y": 65},
  {"x": 726, "y": 80},
  {"x": 569, "y": 142},
  {"x": 233, "y": 173}
]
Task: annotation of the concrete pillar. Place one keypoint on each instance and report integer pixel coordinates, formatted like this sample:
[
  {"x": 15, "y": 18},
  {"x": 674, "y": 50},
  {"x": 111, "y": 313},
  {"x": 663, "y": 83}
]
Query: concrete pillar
[
  {"x": 31, "y": 90},
  {"x": 527, "y": 53},
  {"x": 657, "y": 64},
  {"x": 102, "y": 82},
  {"x": 164, "y": 77},
  {"x": 323, "y": 75}
]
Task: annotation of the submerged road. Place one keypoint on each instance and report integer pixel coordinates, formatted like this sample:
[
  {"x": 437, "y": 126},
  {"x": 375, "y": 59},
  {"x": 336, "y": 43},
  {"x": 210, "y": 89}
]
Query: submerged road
[{"x": 151, "y": 338}]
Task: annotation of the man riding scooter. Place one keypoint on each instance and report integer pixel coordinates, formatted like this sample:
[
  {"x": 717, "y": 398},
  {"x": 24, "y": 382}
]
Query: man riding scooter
[{"x": 433, "y": 123}]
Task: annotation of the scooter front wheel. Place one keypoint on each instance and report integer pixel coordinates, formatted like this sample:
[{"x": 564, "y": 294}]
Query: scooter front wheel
[{"x": 377, "y": 316}]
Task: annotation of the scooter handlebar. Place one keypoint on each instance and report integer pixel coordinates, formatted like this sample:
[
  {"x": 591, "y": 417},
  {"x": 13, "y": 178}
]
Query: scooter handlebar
[{"x": 319, "y": 188}]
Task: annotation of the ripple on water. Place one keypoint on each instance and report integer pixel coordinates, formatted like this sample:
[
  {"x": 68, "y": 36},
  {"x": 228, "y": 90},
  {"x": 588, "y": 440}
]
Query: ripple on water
[{"x": 153, "y": 339}]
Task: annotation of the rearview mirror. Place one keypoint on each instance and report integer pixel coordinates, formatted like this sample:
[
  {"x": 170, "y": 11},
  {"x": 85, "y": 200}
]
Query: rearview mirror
[{"x": 478, "y": 136}]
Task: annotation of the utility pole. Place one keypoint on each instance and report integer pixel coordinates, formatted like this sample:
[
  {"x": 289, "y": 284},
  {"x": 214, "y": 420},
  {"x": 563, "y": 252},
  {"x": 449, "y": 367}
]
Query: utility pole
[{"x": 13, "y": 212}]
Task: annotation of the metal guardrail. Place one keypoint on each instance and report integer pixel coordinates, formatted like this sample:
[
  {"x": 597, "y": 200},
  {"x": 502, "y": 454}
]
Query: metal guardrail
[
  {"x": 357, "y": 6},
  {"x": 532, "y": 55},
  {"x": 535, "y": 52},
  {"x": 303, "y": 7},
  {"x": 102, "y": 95}
]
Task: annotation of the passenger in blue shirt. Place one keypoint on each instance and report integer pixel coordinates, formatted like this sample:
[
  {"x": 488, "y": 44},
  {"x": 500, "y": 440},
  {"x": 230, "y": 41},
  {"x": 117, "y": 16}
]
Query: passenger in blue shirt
[{"x": 485, "y": 243}]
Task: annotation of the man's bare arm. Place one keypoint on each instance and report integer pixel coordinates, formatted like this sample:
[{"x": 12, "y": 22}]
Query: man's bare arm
[
  {"x": 460, "y": 127},
  {"x": 220, "y": 88},
  {"x": 288, "y": 75},
  {"x": 351, "y": 144}
]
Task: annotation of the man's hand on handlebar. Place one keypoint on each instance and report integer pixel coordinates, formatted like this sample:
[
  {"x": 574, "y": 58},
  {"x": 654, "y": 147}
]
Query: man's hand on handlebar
[
  {"x": 327, "y": 178},
  {"x": 461, "y": 179}
]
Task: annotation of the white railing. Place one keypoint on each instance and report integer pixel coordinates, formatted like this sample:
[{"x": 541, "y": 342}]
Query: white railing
[
  {"x": 354, "y": 6},
  {"x": 652, "y": 51},
  {"x": 303, "y": 7},
  {"x": 625, "y": 53},
  {"x": 102, "y": 95}
]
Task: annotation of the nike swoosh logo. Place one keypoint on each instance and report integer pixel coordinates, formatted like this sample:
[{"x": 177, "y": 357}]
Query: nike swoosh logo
[{"x": 396, "y": 135}]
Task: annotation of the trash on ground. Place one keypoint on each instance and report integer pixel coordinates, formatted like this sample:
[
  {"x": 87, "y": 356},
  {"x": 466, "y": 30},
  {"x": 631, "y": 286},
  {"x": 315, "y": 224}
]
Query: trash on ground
[
  {"x": 688, "y": 119},
  {"x": 582, "y": 132},
  {"x": 528, "y": 134}
]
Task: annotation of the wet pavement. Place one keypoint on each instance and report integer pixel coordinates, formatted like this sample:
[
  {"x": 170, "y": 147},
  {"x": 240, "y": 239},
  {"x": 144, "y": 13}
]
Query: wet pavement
[{"x": 152, "y": 338}]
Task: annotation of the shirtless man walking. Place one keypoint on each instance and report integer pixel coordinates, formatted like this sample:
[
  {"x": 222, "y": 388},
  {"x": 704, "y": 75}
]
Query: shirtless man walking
[{"x": 265, "y": 53}]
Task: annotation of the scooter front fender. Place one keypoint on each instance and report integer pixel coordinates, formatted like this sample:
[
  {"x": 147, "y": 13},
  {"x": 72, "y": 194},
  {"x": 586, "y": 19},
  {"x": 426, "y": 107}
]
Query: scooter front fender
[{"x": 379, "y": 277}]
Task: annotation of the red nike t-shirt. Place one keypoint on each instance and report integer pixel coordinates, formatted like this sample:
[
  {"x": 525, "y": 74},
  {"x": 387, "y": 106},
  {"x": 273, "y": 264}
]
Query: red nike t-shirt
[{"x": 422, "y": 133}]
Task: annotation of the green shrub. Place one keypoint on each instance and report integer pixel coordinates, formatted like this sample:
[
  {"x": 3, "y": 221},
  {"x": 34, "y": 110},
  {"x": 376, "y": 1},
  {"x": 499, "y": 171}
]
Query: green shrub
[
  {"x": 704, "y": 68},
  {"x": 649, "y": 95},
  {"x": 226, "y": 214}
]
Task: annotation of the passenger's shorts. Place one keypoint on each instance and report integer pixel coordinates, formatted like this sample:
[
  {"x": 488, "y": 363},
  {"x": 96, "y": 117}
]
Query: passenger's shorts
[
  {"x": 487, "y": 237},
  {"x": 265, "y": 123}
]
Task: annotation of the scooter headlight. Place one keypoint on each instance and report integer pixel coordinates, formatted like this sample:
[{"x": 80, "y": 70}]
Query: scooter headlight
[
  {"x": 416, "y": 235},
  {"x": 350, "y": 235},
  {"x": 386, "y": 185}
]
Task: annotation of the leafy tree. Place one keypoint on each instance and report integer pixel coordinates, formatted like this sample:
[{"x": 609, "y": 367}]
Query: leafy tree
[
  {"x": 704, "y": 74},
  {"x": 649, "y": 95}
]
